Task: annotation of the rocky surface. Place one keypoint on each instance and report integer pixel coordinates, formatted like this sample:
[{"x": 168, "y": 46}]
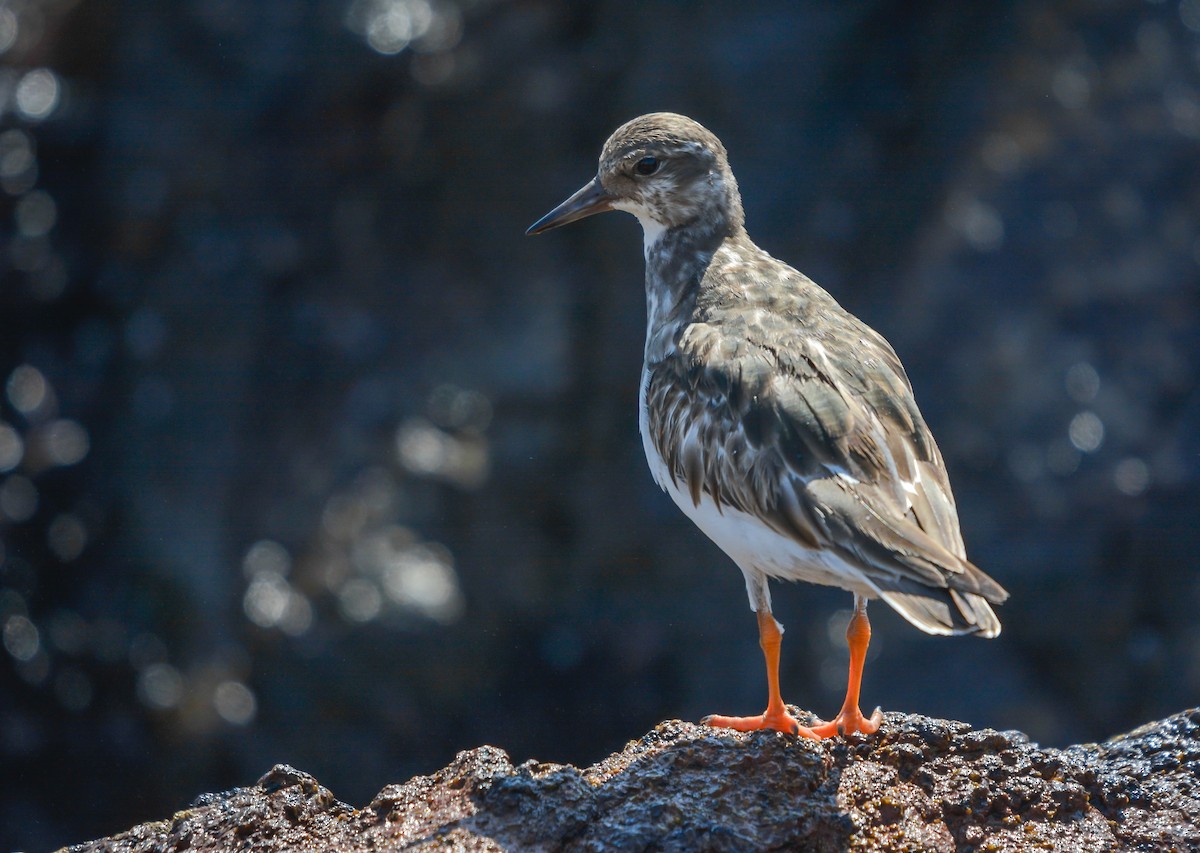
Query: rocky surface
[{"x": 920, "y": 784}]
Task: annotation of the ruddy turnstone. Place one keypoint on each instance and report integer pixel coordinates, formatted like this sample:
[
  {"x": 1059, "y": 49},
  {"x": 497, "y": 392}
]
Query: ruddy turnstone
[{"x": 781, "y": 424}]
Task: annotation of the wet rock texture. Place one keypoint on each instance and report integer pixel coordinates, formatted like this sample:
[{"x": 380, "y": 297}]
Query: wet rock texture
[{"x": 919, "y": 784}]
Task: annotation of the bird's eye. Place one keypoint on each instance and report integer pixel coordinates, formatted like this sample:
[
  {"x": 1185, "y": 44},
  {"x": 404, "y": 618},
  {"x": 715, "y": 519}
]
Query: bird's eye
[{"x": 646, "y": 166}]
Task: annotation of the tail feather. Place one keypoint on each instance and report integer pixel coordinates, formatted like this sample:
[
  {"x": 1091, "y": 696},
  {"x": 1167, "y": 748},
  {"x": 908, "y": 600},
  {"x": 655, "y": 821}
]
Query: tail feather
[{"x": 944, "y": 611}]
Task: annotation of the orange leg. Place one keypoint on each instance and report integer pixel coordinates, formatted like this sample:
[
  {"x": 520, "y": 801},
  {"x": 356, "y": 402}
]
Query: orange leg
[
  {"x": 850, "y": 718},
  {"x": 776, "y": 716}
]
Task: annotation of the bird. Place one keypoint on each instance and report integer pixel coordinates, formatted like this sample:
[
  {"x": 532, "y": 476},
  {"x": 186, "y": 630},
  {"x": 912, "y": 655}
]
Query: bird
[{"x": 781, "y": 424}]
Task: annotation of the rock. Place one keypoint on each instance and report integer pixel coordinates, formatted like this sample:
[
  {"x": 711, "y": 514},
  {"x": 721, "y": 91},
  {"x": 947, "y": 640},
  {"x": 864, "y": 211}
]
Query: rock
[{"x": 919, "y": 784}]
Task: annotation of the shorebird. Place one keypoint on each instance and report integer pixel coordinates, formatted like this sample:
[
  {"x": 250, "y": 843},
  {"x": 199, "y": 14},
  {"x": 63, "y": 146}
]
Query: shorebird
[{"x": 781, "y": 424}]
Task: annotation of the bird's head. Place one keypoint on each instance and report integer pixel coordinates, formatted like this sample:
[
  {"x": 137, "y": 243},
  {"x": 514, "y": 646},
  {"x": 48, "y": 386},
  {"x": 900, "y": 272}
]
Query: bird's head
[{"x": 665, "y": 169}]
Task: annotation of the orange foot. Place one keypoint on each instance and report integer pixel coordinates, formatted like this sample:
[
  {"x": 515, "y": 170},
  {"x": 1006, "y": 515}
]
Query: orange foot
[
  {"x": 780, "y": 721},
  {"x": 849, "y": 720}
]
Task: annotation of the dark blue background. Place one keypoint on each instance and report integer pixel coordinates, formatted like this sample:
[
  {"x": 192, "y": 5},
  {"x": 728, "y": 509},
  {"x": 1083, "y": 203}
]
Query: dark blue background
[{"x": 308, "y": 455}]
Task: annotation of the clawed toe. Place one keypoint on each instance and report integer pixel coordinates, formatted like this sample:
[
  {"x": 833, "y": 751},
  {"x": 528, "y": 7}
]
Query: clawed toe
[
  {"x": 850, "y": 720},
  {"x": 779, "y": 721}
]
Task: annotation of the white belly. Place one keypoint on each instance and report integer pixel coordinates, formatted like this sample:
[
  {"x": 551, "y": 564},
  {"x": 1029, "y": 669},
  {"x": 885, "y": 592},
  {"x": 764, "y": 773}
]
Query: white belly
[{"x": 759, "y": 551}]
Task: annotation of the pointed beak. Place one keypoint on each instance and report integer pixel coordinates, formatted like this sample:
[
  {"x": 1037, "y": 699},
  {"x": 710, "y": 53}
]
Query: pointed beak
[{"x": 592, "y": 198}]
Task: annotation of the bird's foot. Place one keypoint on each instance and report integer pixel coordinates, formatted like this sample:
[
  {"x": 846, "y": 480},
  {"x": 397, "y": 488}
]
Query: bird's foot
[
  {"x": 849, "y": 720},
  {"x": 780, "y": 721}
]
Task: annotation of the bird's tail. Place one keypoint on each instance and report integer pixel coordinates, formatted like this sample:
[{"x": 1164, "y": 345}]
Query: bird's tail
[{"x": 944, "y": 611}]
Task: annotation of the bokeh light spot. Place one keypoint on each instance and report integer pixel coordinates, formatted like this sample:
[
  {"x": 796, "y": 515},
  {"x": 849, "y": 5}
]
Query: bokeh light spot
[
  {"x": 35, "y": 670},
  {"x": 297, "y": 616},
  {"x": 66, "y": 442},
  {"x": 835, "y": 628},
  {"x": 832, "y": 674},
  {"x": 1131, "y": 476},
  {"x": 12, "y": 603},
  {"x": 422, "y": 447},
  {"x": 1027, "y": 462},
  {"x": 36, "y": 214},
  {"x": 1082, "y": 382},
  {"x": 1062, "y": 458},
  {"x": 434, "y": 69},
  {"x": 460, "y": 408},
  {"x": 1086, "y": 432},
  {"x": 266, "y": 557},
  {"x": 67, "y": 536},
  {"x": 1001, "y": 153},
  {"x": 16, "y": 153},
  {"x": 427, "y": 451},
  {"x": 12, "y": 448},
  {"x": 21, "y": 638},
  {"x": 270, "y": 601},
  {"x": 1189, "y": 14},
  {"x": 38, "y": 94},
  {"x": 9, "y": 29},
  {"x": 1183, "y": 106},
  {"x": 979, "y": 224},
  {"x": 266, "y": 600},
  {"x": 422, "y": 578},
  {"x": 389, "y": 26},
  {"x": 235, "y": 703},
  {"x": 1071, "y": 87},
  {"x": 359, "y": 600},
  {"x": 443, "y": 32},
  {"x": 30, "y": 254},
  {"x": 160, "y": 686},
  {"x": 50, "y": 280},
  {"x": 27, "y": 389},
  {"x": 18, "y": 498},
  {"x": 1154, "y": 42}
]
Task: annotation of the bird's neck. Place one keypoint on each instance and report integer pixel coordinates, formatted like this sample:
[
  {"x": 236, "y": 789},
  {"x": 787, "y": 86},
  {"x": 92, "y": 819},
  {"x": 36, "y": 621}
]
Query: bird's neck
[{"x": 676, "y": 260}]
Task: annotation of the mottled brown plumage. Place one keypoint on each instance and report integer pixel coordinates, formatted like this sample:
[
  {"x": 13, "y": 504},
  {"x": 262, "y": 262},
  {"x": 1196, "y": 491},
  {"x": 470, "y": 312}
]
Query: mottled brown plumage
[{"x": 784, "y": 426}]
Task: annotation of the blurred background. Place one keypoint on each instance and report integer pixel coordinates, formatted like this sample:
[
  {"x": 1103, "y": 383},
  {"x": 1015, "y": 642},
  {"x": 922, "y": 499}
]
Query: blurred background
[{"x": 308, "y": 455}]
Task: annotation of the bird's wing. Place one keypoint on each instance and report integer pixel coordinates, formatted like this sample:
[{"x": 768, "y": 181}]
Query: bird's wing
[{"x": 802, "y": 415}]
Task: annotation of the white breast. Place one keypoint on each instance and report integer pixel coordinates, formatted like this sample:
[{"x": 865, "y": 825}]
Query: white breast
[{"x": 758, "y": 550}]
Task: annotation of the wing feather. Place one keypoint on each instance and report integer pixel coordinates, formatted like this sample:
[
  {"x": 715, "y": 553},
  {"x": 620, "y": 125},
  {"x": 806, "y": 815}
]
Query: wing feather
[{"x": 818, "y": 434}]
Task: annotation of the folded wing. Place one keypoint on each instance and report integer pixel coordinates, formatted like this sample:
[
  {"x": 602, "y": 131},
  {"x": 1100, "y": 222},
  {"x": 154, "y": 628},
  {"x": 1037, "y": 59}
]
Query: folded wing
[{"x": 819, "y": 435}]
